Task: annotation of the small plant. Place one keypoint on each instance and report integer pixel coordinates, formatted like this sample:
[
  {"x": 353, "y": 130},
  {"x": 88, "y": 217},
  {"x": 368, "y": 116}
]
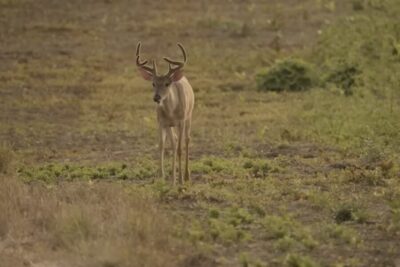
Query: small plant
[
  {"x": 247, "y": 261},
  {"x": 344, "y": 215},
  {"x": 285, "y": 229},
  {"x": 349, "y": 213},
  {"x": 286, "y": 243},
  {"x": 244, "y": 259},
  {"x": 257, "y": 168},
  {"x": 342, "y": 233},
  {"x": 226, "y": 232},
  {"x": 213, "y": 213},
  {"x": 287, "y": 75},
  {"x": 344, "y": 77},
  {"x": 239, "y": 216},
  {"x": 228, "y": 226},
  {"x": 196, "y": 232},
  {"x": 358, "y": 5},
  {"x": 299, "y": 261}
]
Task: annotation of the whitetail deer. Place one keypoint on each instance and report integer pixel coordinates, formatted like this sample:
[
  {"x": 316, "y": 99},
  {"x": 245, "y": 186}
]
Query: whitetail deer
[{"x": 175, "y": 101}]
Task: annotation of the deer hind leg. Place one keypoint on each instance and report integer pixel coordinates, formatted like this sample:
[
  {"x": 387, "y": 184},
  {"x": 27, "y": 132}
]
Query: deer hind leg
[
  {"x": 187, "y": 141},
  {"x": 162, "y": 148},
  {"x": 181, "y": 130},
  {"x": 173, "y": 140}
]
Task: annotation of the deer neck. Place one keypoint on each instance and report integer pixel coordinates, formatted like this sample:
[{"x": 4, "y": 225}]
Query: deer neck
[{"x": 168, "y": 104}]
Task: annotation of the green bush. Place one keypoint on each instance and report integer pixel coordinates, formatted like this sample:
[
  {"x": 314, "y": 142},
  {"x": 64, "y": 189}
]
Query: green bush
[
  {"x": 344, "y": 76},
  {"x": 287, "y": 75}
]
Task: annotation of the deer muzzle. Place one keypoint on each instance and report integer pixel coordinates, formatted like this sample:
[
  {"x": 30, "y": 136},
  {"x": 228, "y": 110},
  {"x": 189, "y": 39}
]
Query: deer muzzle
[{"x": 157, "y": 98}]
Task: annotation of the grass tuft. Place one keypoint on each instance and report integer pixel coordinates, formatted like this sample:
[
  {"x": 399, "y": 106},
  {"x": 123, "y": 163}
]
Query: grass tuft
[{"x": 293, "y": 260}]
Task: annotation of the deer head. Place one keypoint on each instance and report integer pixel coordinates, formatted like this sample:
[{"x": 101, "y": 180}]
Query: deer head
[{"x": 161, "y": 83}]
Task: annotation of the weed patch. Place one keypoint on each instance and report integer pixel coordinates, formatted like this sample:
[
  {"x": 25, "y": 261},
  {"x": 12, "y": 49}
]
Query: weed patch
[
  {"x": 53, "y": 173},
  {"x": 349, "y": 213},
  {"x": 342, "y": 234},
  {"x": 287, "y": 231},
  {"x": 344, "y": 77},
  {"x": 287, "y": 75}
]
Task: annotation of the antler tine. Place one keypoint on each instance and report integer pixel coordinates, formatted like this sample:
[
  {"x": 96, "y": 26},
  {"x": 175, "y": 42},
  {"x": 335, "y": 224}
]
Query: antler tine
[
  {"x": 140, "y": 64},
  {"x": 138, "y": 55},
  {"x": 155, "y": 67},
  {"x": 139, "y": 44},
  {"x": 183, "y": 52},
  {"x": 179, "y": 64},
  {"x": 143, "y": 65},
  {"x": 144, "y": 62}
]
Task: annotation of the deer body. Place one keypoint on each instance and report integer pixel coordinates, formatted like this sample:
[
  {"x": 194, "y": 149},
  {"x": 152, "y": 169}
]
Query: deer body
[
  {"x": 175, "y": 99},
  {"x": 177, "y": 106}
]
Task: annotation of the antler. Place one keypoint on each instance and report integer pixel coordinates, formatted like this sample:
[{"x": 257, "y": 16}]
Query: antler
[
  {"x": 144, "y": 62},
  {"x": 179, "y": 64}
]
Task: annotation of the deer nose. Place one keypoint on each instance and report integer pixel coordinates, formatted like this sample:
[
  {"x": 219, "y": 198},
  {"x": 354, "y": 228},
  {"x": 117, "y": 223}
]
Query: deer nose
[{"x": 157, "y": 98}]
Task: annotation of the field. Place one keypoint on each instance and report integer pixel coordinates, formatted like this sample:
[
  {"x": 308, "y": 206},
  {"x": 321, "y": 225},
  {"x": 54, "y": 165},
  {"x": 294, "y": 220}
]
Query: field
[{"x": 301, "y": 178}]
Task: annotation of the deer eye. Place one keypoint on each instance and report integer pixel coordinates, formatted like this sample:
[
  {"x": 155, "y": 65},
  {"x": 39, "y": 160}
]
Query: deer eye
[
  {"x": 154, "y": 85},
  {"x": 167, "y": 84}
]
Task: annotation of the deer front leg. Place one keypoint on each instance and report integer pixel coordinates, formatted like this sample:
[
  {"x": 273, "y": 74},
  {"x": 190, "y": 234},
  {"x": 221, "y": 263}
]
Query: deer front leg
[
  {"x": 181, "y": 129},
  {"x": 187, "y": 140},
  {"x": 172, "y": 138},
  {"x": 162, "y": 148}
]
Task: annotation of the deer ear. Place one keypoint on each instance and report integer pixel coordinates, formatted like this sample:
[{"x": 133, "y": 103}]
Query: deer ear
[
  {"x": 177, "y": 75},
  {"x": 145, "y": 74}
]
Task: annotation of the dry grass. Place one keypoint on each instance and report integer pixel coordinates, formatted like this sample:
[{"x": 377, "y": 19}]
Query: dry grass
[
  {"x": 6, "y": 158},
  {"x": 84, "y": 224}
]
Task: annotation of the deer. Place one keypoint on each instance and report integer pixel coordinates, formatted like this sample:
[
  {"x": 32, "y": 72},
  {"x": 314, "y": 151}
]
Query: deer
[{"x": 174, "y": 98}]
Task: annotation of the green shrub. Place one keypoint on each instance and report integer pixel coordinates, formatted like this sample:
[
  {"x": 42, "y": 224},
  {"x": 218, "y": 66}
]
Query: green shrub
[
  {"x": 351, "y": 213},
  {"x": 343, "y": 215},
  {"x": 289, "y": 75},
  {"x": 344, "y": 77},
  {"x": 358, "y": 5}
]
